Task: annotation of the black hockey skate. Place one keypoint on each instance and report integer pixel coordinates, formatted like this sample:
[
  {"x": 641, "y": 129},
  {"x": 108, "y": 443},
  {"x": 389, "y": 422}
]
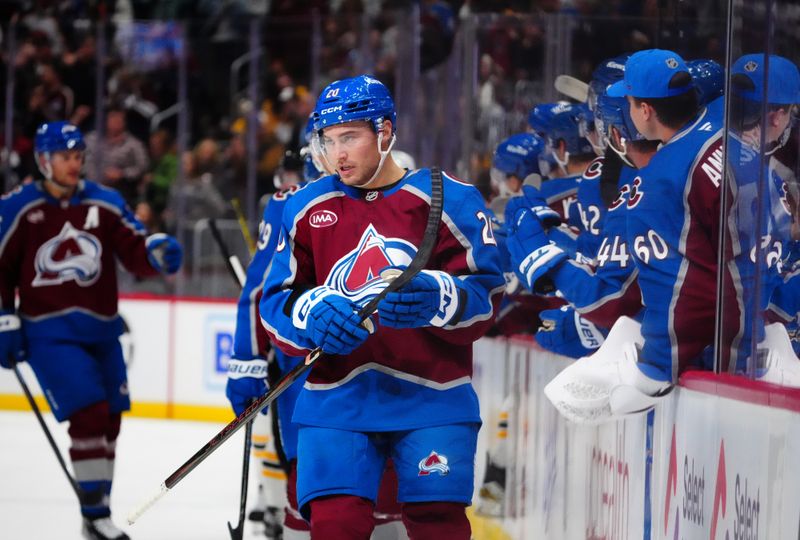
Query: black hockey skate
[{"x": 102, "y": 529}]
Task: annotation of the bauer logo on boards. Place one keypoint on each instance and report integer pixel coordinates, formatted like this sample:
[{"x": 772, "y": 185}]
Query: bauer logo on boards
[{"x": 322, "y": 218}]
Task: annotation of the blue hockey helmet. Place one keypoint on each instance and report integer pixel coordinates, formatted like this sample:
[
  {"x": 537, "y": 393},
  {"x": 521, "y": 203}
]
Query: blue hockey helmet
[
  {"x": 58, "y": 137},
  {"x": 519, "y": 155},
  {"x": 540, "y": 116},
  {"x": 361, "y": 98},
  {"x": 605, "y": 74},
  {"x": 709, "y": 79},
  {"x": 615, "y": 111},
  {"x": 571, "y": 126}
]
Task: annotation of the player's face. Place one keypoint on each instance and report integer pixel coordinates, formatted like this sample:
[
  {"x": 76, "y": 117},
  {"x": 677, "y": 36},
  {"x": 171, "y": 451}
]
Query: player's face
[
  {"x": 67, "y": 167},
  {"x": 639, "y": 116},
  {"x": 352, "y": 150},
  {"x": 777, "y": 123}
]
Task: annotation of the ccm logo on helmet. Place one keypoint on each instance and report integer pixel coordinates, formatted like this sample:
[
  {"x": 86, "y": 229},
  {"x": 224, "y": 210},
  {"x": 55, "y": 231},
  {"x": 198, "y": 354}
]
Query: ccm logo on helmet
[
  {"x": 331, "y": 110},
  {"x": 322, "y": 218}
]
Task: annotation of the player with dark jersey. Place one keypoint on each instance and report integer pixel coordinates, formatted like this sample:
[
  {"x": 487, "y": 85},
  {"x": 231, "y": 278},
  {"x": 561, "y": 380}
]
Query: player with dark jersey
[
  {"x": 403, "y": 391},
  {"x": 60, "y": 241}
]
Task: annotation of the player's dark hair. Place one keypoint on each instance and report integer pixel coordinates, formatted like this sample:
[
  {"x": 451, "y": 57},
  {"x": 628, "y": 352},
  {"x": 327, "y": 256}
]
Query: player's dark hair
[{"x": 675, "y": 111}]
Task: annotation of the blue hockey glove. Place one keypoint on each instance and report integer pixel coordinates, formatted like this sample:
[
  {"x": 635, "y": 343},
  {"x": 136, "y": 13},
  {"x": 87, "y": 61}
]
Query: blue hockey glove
[
  {"x": 532, "y": 200},
  {"x": 11, "y": 347},
  {"x": 429, "y": 299},
  {"x": 164, "y": 253},
  {"x": 532, "y": 254},
  {"x": 329, "y": 320},
  {"x": 247, "y": 380},
  {"x": 567, "y": 333}
]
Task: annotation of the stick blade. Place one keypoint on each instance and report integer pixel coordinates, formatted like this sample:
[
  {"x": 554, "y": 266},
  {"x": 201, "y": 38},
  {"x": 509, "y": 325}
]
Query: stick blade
[
  {"x": 144, "y": 507},
  {"x": 572, "y": 87}
]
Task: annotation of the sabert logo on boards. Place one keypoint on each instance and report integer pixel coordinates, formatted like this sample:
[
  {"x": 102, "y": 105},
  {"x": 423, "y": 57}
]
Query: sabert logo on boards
[{"x": 609, "y": 492}]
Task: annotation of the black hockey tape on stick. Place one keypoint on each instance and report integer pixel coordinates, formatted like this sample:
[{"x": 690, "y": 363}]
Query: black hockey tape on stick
[
  {"x": 418, "y": 263},
  {"x": 231, "y": 261}
]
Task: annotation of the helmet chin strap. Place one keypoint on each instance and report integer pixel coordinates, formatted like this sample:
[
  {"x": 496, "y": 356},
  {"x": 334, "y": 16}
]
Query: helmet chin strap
[
  {"x": 780, "y": 142},
  {"x": 561, "y": 164},
  {"x": 383, "y": 154},
  {"x": 623, "y": 154}
]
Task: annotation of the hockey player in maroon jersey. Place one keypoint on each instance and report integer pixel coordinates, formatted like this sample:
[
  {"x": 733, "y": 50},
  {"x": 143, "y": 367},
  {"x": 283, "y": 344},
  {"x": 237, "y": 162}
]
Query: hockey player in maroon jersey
[
  {"x": 60, "y": 240},
  {"x": 403, "y": 391}
]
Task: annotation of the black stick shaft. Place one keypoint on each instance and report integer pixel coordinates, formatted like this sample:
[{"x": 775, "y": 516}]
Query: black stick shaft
[
  {"x": 75, "y": 487},
  {"x": 226, "y": 254},
  {"x": 238, "y": 531}
]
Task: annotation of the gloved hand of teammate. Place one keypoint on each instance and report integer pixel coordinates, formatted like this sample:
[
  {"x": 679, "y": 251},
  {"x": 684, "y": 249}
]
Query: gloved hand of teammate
[
  {"x": 565, "y": 332},
  {"x": 532, "y": 254},
  {"x": 247, "y": 380},
  {"x": 11, "y": 348},
  {"x": 164, "y": 253},
  {"x": 531, "y": 199},
  {"x": 329, "y": 320},
  {"x": 430, "y": 299}
]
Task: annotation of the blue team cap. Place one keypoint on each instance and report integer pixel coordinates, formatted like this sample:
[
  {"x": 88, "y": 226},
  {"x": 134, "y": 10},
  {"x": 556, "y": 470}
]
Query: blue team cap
[
  {"x": 648, "y": 73},
  {"x": 783, "y": 81}
]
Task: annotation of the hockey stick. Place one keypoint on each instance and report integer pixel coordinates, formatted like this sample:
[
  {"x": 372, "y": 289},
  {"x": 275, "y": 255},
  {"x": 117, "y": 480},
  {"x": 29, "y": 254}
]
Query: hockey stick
[
  {"x": 572, "y": 87},
  {"x": 232, "y": 262},
  {"x": 238, "y": 531},
  {"x": 248, "y": 238},
  {"x": 418, "y": 263},
  {"x": 83, "y": 497}
]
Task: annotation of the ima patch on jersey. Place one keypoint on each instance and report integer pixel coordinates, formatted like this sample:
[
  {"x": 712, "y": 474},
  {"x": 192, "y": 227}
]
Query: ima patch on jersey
[
  {"x": 71, "y": 255},
  {"x": 357, "y": 274}
]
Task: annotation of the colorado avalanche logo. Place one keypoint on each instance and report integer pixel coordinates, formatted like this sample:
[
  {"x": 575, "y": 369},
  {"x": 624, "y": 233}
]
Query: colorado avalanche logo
[
  {"x": 434, "y": 463},
  {"x": 72, "y": 255},
  {"x": 357, "y": 274}
]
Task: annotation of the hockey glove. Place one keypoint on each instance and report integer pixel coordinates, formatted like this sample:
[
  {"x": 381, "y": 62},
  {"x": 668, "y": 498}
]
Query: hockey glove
[
  {"x": 430, "y": 299},
  {"x": 329, "y": 320},
  {"x": 567, "y": 333},
  {"x": 11, "y": 349},
  {"x": 532, "y": 254},
  {"x": 164, "y": 253},
  {"x": 247, "y": 380},
  {"x": 532, "y": 200}
]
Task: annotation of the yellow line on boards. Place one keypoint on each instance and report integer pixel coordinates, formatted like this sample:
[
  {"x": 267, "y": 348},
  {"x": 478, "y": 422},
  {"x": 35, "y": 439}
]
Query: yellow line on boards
[{"x": 139, "y": 409}]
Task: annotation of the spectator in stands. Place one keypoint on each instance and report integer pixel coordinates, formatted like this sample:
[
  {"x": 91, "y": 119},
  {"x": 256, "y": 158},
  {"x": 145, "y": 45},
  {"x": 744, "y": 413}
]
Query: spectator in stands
[
  {"x": 80, "y": 73},
  {"x": 164, "y": 171},
  {"x": 119, "y": 159},
  {"x": 201, "y": 198},
  {"x": 50, "y": 100}
]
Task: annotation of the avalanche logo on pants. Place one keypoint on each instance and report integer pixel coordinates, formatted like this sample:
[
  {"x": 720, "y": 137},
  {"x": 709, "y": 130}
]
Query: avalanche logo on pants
[
  {"x": 434, "y": 463},
  {"x": 357, "y": 274}
]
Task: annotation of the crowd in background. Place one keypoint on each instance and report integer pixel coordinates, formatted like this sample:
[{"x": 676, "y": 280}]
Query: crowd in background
[{"x": 112, "y": 68}]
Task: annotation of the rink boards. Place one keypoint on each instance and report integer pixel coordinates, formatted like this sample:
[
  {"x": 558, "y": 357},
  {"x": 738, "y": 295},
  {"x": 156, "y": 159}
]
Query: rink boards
[{"x": 718, "y": 459}]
